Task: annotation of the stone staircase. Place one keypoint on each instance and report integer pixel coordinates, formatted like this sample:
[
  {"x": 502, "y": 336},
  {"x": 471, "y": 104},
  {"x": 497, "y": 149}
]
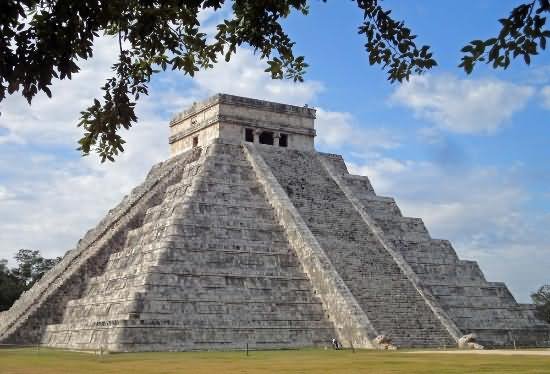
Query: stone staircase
[
  {"x": 389, "y": 299},
  {"x": 209, "y": 268},
  {"x": 474, "y": 304},
  {"x": 249, "y": 244},
  {"x": 26, "y": 321}
]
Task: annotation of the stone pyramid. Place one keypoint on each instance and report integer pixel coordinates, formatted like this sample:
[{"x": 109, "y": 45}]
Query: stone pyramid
[{"x": 247, "y": 235}]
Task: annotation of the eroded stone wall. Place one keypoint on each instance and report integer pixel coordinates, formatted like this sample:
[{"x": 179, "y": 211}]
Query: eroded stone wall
[
  {"x": 44, "y": 303},
  {"x": 475, "y": 305},
  {"x": 208, "y": 268},
  {"x": 386, "y": 295},
  {"x": 228, "y": 245}
]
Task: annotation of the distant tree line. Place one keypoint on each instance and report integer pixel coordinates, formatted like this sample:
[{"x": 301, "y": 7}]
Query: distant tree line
[
  {"x": 541, "y": 299},
  {"x": 31, "y": 266}
]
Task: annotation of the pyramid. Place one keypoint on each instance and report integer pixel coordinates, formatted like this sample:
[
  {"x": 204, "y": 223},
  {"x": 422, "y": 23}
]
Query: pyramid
[{"x": 248, "y": 236}]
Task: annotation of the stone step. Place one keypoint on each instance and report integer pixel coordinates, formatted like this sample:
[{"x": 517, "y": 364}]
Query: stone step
[
  {"x": 404, "y": 228},
  {"x": 195, "y": 324},
  {"x": 300, "y": 318},
  {"x": 205, "y": 277},
  {"x": 178, "y": 189},
  {"x": 471, "y": 289},
  {"x": 492, "y": 321},
  {"x": 208, "y": 185},
  {"x": 380, "y": 207},
  {"x": 227, "y": 220},
  {"x": 242, "y": 209},
  {"x": 155, "y": 337},
  {"x": 230, "y": 196},
  {"x": 206, "y": 256},
  {"x": 462, "y": 271},
  {"x": 155, "y": 213},
  {"x": 227, "y": 158},
  {"x": 359, "y": 184},
  {"x": 140, "y": 234},
  {"x": 263, "y": 233},
  {"x": 229, "y": 199},
  {"x": 190, "y": 310},
  {"x": 228, "y": 295},
  {"x": 219, "y": 228},
  {"x": 230, "y": 159},
  {"x": 386, "y": 295},
  {"x": 433, "y": 251},
  {"x": 223, "y": 168},
  {"x": 178, "y": 248}
]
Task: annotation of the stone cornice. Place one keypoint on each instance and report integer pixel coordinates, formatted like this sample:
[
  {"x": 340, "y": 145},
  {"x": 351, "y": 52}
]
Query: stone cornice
[
  {"x": 257, "y": 124},
  {"x": 243, "y": 102}
]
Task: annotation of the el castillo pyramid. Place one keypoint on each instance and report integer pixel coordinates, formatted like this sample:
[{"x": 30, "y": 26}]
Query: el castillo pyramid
[{"x": 247, "y": 235}]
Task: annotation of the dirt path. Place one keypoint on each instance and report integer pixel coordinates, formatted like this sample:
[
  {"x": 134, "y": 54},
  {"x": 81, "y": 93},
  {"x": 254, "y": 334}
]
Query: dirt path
[{"x": 504, "y": 352}]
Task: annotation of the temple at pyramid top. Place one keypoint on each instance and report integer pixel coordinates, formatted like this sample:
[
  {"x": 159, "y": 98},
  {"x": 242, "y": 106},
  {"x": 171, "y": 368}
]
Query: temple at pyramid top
[{"x": 235, "y": 119}]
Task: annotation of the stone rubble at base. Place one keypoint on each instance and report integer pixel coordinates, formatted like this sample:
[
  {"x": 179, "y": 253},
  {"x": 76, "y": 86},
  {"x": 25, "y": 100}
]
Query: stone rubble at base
[
  {"x": 469, "y": 342},
  {"x": 384, "y": 342},
  {"x": 247, "y": 235}
]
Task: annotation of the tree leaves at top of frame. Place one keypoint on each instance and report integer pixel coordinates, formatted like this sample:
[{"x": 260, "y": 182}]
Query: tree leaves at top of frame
[
  {"x": 521, "y": 34},
  {"x": 45, "y": 40}
]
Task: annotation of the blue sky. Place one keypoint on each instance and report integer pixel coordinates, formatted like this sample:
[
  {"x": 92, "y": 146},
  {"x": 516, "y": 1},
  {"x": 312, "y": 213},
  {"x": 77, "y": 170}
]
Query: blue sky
[{"x": 468, "y": 154}]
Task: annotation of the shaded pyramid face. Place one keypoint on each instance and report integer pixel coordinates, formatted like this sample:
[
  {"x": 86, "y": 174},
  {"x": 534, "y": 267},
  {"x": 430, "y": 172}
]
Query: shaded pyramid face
[
  {"x": 207, "y": 266},
  {"x": 413, "y": 288},
  {"x": 232, "y": 242}
]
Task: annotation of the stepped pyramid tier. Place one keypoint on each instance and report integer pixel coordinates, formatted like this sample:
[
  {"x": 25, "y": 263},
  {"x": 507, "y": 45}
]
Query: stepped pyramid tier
[{"x": 247, "y": 235}]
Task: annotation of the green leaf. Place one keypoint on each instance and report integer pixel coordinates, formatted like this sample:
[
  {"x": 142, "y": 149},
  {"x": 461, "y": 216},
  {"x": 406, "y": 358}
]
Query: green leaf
[{"x": 47, "y": 91}]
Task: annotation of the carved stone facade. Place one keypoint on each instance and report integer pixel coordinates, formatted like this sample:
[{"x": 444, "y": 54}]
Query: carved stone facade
[
  {"x": 247, "y": 235},
  {"x": 238, "y": 119}
]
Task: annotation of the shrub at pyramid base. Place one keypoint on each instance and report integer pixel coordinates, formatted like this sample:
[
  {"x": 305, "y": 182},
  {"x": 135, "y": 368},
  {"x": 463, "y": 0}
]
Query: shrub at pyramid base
[{"x": 247, "y": 235}]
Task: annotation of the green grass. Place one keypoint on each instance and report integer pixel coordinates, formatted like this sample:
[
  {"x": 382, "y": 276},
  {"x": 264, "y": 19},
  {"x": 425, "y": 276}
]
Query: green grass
[{"x": 46, "y": 361}]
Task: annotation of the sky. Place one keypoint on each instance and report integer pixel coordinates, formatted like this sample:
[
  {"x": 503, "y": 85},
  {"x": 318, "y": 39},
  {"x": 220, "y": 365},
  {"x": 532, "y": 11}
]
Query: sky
[{"x": 466, "y": 153}]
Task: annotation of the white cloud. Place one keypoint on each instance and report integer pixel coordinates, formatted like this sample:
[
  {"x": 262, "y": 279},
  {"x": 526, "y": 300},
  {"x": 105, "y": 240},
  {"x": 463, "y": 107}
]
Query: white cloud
[
  {"x": 5, "y": 194},
  {"x": 481, "y": 210},
  {"x": 545, "y": 93},
  {"x": 209, "y": 19},
  {"x": 336, "y": 130},
  {"x": 537, "y": 75},
  {"x": 51, "y": 199},
  {"x": 54, "y": 120},
  {"x": 50, "y": 196},
  {"x": 463, "y": 106},
  {"x": 244, "y": 75}
]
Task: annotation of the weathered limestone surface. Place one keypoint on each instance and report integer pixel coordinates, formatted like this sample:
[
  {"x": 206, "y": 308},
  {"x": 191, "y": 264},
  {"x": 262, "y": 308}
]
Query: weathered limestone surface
[
  {"x": 428, "y": 298},
  {"x": 232, "y": 242},
  {"x": 26, "y": 321},
  {"x": 227, "y": 117},
  {"x": 208, "y": 268},
  {"x": 388, "y": 297},
  {"x": 475, "y": 305},
  {"x": 350, "y": 321}
]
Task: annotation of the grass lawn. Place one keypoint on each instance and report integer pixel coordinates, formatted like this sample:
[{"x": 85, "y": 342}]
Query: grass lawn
[{"x": 46, "y": 361}]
